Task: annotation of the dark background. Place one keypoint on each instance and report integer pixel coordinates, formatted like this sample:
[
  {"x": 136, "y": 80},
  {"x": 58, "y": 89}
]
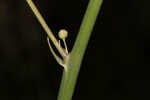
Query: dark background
[{"x": 116, "y": 63}]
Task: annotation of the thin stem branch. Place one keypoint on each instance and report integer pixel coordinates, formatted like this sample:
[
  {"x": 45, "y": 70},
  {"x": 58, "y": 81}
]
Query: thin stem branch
[
  {"x": 58, "y": 59},
  {"x": 45, "y": 27},
  {"x": 66, "y": 48}
]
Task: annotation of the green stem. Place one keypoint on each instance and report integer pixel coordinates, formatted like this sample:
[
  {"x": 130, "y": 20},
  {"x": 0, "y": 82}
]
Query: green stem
[
  {"x": 70, "y": 76},
  {"x": 45, "y": 27}
]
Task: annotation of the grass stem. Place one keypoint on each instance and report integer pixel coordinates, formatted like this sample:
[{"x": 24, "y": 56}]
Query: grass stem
[{"x": 69, "y": 78}]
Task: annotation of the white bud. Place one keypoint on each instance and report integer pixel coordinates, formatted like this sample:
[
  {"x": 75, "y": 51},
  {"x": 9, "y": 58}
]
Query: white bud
[{"x": 63, "y": 34}]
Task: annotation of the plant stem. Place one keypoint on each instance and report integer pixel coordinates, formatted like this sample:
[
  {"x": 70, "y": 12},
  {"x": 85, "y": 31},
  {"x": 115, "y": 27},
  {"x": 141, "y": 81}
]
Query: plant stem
[
  {"x": 45, "y": 27},
  {"x": 75, "y": 57},
  {"x": 70, "y": 76}
]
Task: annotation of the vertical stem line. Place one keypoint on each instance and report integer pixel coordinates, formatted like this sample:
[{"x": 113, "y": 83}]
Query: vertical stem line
[{"x": 70, "y": 76}]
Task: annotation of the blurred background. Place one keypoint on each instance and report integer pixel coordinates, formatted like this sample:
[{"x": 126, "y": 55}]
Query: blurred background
[{"x": 116, "y": 63}]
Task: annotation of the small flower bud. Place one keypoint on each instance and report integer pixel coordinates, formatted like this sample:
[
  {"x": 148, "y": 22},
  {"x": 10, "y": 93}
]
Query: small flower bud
[{"x": 63, "y": 34}]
